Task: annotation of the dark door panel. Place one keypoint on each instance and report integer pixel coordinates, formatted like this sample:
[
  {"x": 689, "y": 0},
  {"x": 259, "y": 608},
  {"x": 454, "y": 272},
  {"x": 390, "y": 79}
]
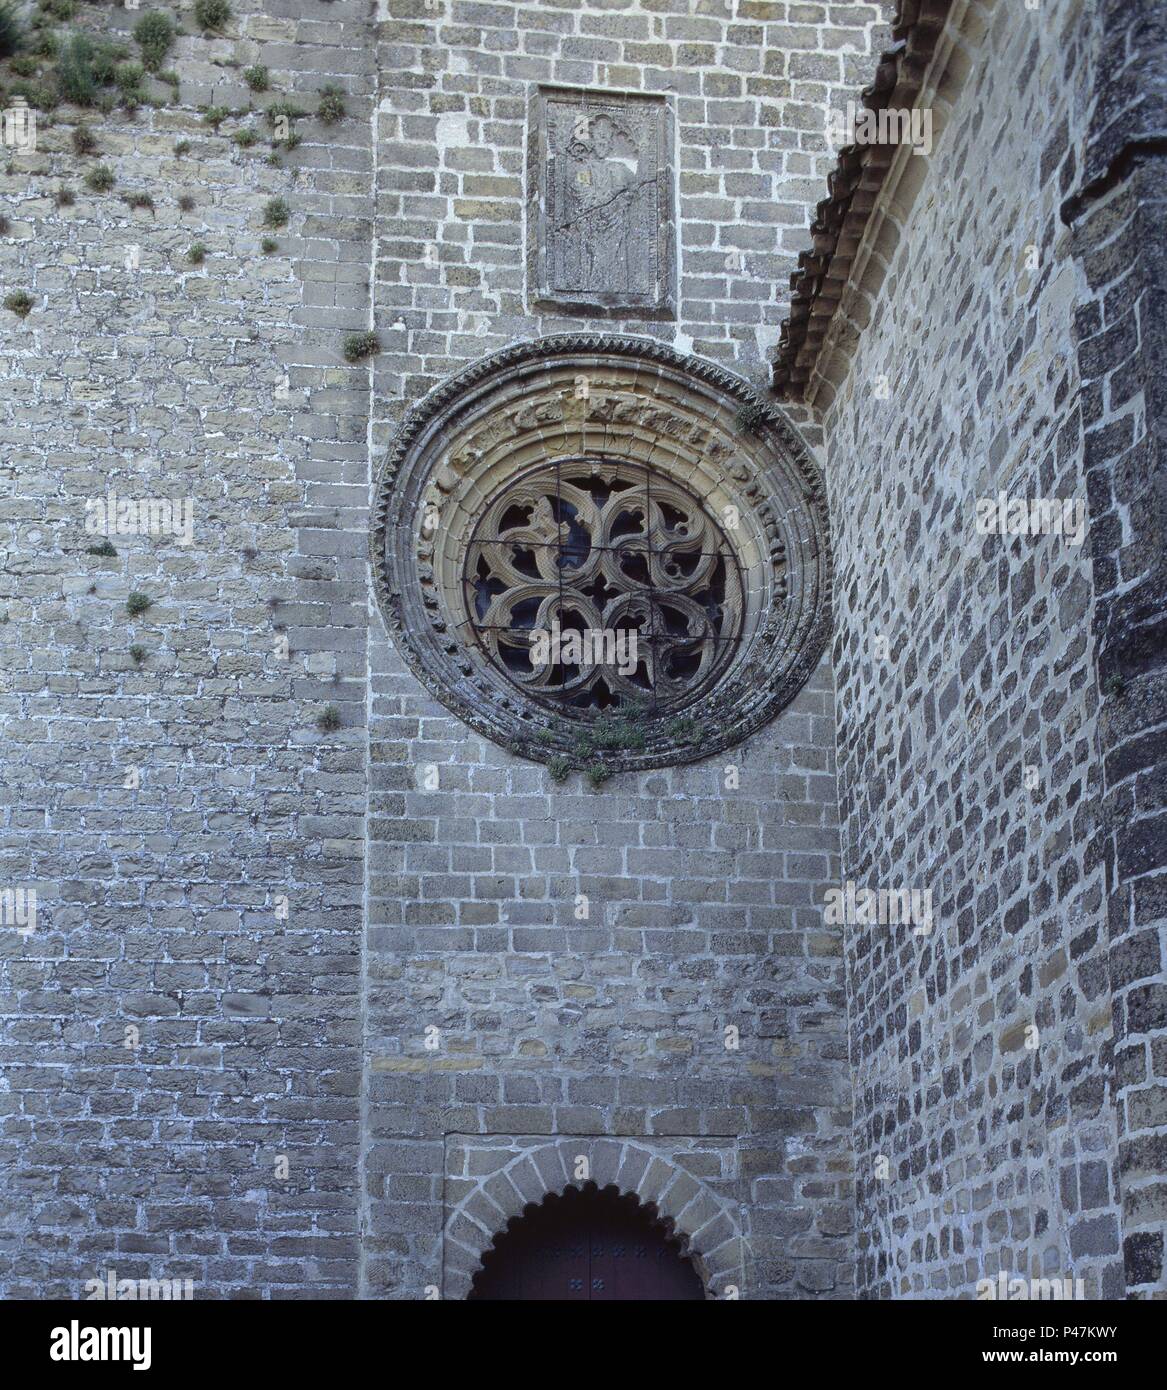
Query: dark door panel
[{"x": 587, "y": 1245}]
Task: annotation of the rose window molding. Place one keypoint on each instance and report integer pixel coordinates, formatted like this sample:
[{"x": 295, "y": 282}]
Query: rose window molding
[{"x": 589, "y": 527}]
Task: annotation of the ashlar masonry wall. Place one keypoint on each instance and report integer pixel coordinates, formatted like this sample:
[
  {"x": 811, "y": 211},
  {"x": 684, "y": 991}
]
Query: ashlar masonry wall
[
  {"x": 180, "y": 1036},
  {"x": 170, "y": 1037},
  {"x": 968, "y": 752},
  {"x": 704, "y": 886}
]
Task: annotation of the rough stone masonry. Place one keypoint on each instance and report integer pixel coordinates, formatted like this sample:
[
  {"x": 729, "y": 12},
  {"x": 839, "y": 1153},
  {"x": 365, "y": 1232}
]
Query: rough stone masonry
[{"x": 330, "y": 982}]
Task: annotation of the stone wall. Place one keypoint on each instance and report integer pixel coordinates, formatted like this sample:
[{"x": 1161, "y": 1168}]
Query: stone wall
[
  {"x": 968, "y": 699},
  {"x": 260, "y": 1037},
  {"x": 702, "y": 899},
  {"x": 167, "y": 1034},
  {"x": 702, "y": 914},
  {"x": 1116, "y": 211},
  {"x": 314, "y": 1005},
  {"x": 694, "y": 1184},
  {"x": 749, "y": 83}
]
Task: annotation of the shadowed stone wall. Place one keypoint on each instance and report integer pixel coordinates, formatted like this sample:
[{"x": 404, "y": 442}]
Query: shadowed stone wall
[
  {"x": 1117, "y": 212},
  {"x": 969, "y": 756}
]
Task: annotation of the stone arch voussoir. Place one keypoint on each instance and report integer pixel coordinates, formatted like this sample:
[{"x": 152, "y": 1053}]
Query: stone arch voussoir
[{"x": 705, "y": 1224}]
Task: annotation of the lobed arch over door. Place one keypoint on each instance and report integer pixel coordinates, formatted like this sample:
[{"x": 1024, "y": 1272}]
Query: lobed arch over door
[
  {"x": 587, "y": 1245},
  {"x": 704, "y": 1226}
]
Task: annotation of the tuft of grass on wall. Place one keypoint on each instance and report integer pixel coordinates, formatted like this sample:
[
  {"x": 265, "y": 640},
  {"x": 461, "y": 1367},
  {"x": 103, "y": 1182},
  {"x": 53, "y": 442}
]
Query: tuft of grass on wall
[
  {"x": 276, "y": 213},
  {"x": 331, "y": 107},
  {"x": 154, "y": 35},
  {"x": 11, "y": 29},
  {"x": 106, "y": 57},
  {"x": 212, "y": 14},
  {"x": 685, "y": 730},
  {"x": 76, "y": 80},
  {"x": 329, "y": 719},
  {"x": 101, "y": 179},
  {"x": 129, "y": 78},
  {"x": 85, "y": 69},
  {"x": 282, "y": 109},
  {"x": 358, "y": 346},
  {"x": 20, "y": 303},
  {"x": 84, "y": 140},
  {"x": 39, "y": 95}
]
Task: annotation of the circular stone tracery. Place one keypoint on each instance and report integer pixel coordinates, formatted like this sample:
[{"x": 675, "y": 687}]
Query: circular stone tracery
[
  {"x": 727, "y": 632},
  {"x": 619, "y": 557}
]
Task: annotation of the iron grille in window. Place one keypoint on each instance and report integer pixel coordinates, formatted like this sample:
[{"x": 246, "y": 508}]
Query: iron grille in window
[{"x": 598, "y": 583}]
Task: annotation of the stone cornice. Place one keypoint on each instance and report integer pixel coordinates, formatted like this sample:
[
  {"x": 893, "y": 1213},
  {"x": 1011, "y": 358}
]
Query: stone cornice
[{"x": 866, "y": 178}]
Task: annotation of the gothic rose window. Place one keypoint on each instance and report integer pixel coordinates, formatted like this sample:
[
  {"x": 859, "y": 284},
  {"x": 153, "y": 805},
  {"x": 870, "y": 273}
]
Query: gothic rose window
[
  {"x": 603, "y": 555},
  {"x": 599, "y": 583}
]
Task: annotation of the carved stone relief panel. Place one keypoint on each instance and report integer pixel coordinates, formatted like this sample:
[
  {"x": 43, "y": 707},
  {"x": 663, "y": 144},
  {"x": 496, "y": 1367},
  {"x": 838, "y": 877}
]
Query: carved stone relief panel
[{"x": 600, "y": 203}]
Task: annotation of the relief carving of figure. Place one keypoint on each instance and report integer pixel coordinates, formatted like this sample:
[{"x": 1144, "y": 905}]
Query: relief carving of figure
[{"x": 600, "y": 190}]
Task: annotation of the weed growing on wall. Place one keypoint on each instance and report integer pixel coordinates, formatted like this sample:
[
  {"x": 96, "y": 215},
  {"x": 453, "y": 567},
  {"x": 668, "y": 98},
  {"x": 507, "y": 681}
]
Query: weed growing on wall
[
  {"x": 101, "y": 179},
  {"x": 212, "y": 14},
  {"x": 20, "y": 303},
  {"x": 276, "y": 213},
  {"x": 331, "y": 107},
  {"x": 154, "y": 35},
  {"x": 11, "y": 29},
  {"x": 358, "y": 346}
]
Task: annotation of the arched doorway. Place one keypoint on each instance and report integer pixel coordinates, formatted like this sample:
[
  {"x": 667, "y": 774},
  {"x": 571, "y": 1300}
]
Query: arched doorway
[{"x": 586, "y": 1245}]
